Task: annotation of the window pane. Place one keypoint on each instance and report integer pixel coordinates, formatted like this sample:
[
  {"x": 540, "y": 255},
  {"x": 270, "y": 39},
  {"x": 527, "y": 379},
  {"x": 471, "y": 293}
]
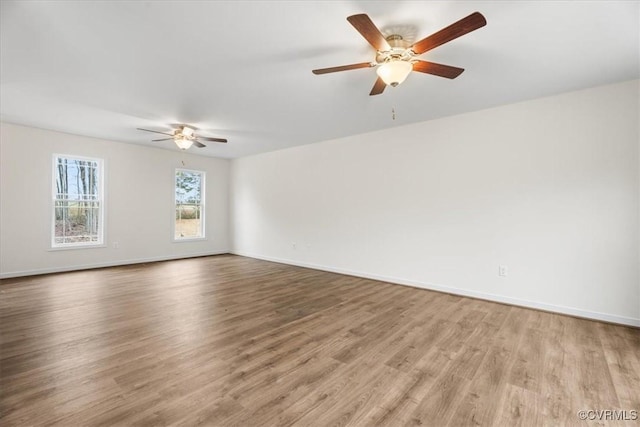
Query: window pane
[
  {"x": 189, "y": 204},
  {"x": 188, "y": 185}
]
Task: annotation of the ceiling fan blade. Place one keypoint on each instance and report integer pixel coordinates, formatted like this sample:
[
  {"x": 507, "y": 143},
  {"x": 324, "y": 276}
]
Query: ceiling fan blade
[
  {"x": 198, "y": 143},
  {"x": 155, "y": 131},
  {"x": 437, "y": 69},
  {"x": 378, "y": 87},
  {"x": 369, "y": 31},
  {"x": 206, "y": 138},
  {"x": 453, "y": 31},
  {"x": 343, "y": 68},
  {"x": 163, "y": 139}
]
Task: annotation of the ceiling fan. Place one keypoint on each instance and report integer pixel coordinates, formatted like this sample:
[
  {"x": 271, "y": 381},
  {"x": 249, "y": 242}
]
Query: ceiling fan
[
  {"x": 395, "y": 58},
  {"x": 184, "y": 136}
]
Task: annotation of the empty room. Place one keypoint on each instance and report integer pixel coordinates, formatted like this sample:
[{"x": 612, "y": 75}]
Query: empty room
[{"x": 319, "y": 213}]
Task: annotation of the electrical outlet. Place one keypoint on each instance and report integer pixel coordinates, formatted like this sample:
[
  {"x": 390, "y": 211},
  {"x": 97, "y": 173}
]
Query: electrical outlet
[
  {"x": 293, "y": 246},
  {"x": 116, "y": 245},
  {"x": 503, "y": 270}
]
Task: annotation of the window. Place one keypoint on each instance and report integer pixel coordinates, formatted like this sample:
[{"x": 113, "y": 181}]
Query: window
[
  {"x": 189, "y": 205},
  {"x": 77, "y": 202}
]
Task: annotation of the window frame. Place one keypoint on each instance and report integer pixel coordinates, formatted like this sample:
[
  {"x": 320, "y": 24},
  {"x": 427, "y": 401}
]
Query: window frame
[
  {"x": 202, "y": 205},
  {"x": 101, "y": 243}
]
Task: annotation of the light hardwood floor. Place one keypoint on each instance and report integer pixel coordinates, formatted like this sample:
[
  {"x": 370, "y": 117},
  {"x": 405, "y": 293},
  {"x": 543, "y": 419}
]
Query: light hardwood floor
[{"x": 227, "y": 340}]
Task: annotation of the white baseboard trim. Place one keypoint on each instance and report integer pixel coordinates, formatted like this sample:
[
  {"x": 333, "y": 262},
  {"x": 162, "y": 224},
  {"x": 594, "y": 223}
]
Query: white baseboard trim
[
  {"x": 572, "y": 311},
  {"x": 11, "y": 274}
]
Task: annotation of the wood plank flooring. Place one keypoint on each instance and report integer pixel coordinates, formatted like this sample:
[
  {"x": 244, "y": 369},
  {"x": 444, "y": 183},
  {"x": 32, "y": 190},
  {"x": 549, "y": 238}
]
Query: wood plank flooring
[{"x": 233, "y": 341}]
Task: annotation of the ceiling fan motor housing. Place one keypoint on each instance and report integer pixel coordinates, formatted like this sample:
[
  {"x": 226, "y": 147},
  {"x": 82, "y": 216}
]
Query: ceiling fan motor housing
[{"x": 399, "y": 50}]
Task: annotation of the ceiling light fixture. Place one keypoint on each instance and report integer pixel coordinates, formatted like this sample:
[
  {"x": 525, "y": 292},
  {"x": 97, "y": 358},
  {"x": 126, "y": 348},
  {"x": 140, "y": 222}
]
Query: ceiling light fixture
[
  {"x": 183, "y": 142},
  {"x": 394, "y": 72}
]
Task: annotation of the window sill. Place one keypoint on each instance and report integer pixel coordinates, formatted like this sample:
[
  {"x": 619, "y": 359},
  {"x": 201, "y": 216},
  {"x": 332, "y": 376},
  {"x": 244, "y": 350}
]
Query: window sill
[
  {"x": 75, "y": 247},
  {"x": 189, "y": 239}
]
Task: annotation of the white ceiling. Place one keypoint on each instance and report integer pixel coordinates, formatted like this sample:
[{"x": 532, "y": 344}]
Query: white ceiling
[{"x": 242, "y": 69}]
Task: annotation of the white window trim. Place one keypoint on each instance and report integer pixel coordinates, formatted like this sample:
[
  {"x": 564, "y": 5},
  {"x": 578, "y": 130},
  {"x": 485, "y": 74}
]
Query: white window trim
[
  {"x": 70, "y": 246},
  {"x": 203, "y": 207}
]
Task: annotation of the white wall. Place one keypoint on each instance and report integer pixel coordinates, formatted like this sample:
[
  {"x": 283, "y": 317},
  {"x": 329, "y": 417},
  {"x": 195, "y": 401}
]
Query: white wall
[
  {"x": 548, "y": 187},
  {"x": 139, "y": 202}
]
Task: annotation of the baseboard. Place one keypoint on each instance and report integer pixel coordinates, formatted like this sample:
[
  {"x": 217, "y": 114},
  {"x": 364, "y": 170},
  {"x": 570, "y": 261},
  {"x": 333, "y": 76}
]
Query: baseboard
[
  {"x": 106, "y": 264},
  {"x": 571, "y": 311}
]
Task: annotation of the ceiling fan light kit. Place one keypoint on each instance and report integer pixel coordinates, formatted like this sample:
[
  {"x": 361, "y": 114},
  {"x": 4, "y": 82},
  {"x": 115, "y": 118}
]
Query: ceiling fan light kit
[
  {"x": 395, "y": 64},
  {"x": 183, "y": 143},
  {"x": 395, "y": 58},
  {"x": 184, "y": 137},
  {"x": 394, "y": 72}
]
